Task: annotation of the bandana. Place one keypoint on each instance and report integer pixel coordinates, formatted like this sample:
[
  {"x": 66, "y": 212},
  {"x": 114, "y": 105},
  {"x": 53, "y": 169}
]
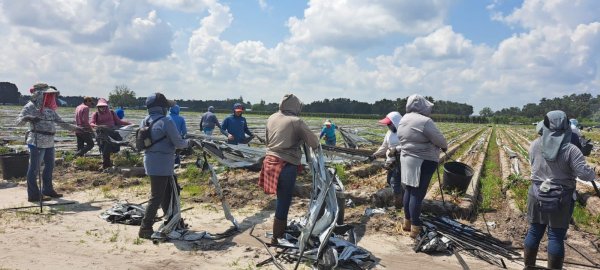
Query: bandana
[{"x": 49, "y": 102}]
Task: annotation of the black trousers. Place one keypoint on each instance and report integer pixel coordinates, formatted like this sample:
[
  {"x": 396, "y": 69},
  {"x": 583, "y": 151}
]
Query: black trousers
[
  {"x": 160, "y": 195},
  {"x": 85, "y": 143}
]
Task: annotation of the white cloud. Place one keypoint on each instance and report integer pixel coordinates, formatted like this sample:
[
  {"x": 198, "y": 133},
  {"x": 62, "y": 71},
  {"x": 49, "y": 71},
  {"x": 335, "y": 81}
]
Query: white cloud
[
  {"x": 191, "y": 6},
  {"x": 539, "y": 13},
  {"x": 356, "y": 24}
]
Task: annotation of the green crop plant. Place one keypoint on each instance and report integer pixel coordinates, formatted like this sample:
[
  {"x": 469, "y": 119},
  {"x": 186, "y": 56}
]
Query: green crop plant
[
  {"x": 128, "y": 159},
  {"x": 87, "y": 163},
  {"x": 340, "y": 171},
  {"x": 519, "y": 186},
  {"x": 4, "y": 150},
  {"x": 491, "y": 177},
  {"x": 68, "y": 157}
]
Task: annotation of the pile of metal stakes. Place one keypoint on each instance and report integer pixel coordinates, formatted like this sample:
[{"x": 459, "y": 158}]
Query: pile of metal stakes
[{"x": 443, "y": 234}]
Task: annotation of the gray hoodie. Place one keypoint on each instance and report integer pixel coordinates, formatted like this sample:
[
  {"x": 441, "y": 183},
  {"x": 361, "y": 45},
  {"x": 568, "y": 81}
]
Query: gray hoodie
[
  {"x": 286, "y": 132},
  {"x": 418, "y": 135}
]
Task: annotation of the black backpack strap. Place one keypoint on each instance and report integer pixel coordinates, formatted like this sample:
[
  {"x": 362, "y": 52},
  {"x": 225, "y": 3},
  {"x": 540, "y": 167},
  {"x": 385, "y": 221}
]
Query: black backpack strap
[{"x": 150, "y": 129}]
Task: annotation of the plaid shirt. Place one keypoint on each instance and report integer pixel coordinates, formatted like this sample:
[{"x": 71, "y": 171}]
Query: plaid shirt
[{"x": 269, "y": 174}]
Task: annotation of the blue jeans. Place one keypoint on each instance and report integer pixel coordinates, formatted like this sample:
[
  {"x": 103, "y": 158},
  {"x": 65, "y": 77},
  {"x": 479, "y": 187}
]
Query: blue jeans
[
  {"x": 330, "y": 142},
  {"x": 413, "y": 196},
  {"x": 208, "y": 131},
  {"x": 285, "y": 190},
  {"x": 36, "y": 156},
  {"x": 394, "y": 180},
  {"x": 556, "y": 238}
]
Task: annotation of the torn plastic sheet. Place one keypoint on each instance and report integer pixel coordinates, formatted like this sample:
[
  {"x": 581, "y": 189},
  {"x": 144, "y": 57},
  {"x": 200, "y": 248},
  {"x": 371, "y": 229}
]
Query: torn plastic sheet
[
  {"x": 318, "y": 236},
  {"x": 352, "y": 140},
  {"x": 124, "y": 213}
]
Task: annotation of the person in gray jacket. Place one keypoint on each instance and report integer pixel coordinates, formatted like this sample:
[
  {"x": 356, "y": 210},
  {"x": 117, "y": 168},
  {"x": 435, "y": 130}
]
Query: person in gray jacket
[
  {"x": 41, "y": 114},
  {"x": 420, "y": 142},
  {"x": 159, "y": 159},
  {"x": 209, "y": 121},
  {"x": 555, "y": 163}
]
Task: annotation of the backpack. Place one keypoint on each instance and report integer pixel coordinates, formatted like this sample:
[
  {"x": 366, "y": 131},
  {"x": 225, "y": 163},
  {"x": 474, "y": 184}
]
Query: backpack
[{"x": 143, "y": 139}]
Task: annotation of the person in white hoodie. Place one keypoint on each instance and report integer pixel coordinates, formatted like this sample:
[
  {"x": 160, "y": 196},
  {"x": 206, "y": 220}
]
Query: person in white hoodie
[{"x": 388, "y": 149}]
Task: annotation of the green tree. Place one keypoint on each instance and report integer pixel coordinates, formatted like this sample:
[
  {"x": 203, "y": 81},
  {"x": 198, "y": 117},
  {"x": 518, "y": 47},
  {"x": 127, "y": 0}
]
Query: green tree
[
  {"x": 486, "y": 112},
  {"x": 122, "y": 96}
]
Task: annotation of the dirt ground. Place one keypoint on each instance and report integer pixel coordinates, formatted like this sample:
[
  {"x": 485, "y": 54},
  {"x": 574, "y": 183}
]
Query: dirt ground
[{"x": 74, "y": 237}]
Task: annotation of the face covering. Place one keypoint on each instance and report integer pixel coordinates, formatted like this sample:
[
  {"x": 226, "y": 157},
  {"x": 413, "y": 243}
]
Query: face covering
[
  {"x": 49, "y": 102},
  {"x": 392, "y": 128}
]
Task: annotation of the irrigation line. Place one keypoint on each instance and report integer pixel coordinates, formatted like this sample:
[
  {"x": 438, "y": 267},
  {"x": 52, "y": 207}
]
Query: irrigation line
[
  {"x": 32, "y": 206},
  {"x": 274, "y": 259},
  {"x": 582, "y": 254}
]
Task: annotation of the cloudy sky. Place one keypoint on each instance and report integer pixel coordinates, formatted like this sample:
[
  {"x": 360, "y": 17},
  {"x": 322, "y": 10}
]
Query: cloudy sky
[{"x": 495, "y": 53}]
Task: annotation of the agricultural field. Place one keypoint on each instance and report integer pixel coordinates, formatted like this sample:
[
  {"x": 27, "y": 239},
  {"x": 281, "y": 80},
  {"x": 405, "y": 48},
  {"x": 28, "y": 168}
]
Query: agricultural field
[{"x": 74, "y": 236}]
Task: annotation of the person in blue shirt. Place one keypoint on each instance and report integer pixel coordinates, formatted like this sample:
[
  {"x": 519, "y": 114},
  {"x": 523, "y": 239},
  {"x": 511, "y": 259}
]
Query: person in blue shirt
[
  {"x": 235, "y": 126},
  {"x": 328, "y": 132},
  {"x": 179, "y": 124},
  {"x": 120, "y": 112}
]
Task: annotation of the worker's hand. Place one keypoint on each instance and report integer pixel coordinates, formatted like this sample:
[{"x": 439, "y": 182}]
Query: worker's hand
[
  {"x": 444, "y": 149},
  {"x": 31, "y": 118},
  {"x": 371, "y": 158},
  {"x": 391, "y": 152},
  {"x": 230, "y": 137}
]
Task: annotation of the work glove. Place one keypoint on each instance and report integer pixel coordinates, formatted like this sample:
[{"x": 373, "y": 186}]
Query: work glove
[
  {"x": 230, "y": 137},
  {"x": 392, "y": 152}
]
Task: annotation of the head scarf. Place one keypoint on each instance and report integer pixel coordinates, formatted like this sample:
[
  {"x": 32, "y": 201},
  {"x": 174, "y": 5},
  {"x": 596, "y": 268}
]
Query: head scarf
[
  {"x": 556, "y": 134},
  {"x": 49, "y": 101}
]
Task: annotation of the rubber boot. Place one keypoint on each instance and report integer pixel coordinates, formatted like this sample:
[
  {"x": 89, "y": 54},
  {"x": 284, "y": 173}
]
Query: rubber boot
[
  {"x": 406, "y": 225},
  {"x": 555, "y": 262},
  {"x": 278, "y": 230},
  {"x": 415, "y": 231},
  {"x": 398, "y": 201},
  {"x": 529, "y": 255},
  {"x": 145, "y": 233}
]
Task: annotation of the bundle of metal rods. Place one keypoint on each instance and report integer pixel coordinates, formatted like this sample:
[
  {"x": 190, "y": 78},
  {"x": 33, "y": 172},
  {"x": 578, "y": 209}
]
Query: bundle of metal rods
[{"x": 467, "y": 238}]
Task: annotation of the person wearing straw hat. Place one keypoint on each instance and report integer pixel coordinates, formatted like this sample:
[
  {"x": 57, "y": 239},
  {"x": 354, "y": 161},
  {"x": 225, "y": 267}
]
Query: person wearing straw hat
[
  {"x": 390, "y": 141},
  {"x": 420, "y": 142},
  {"x": 41, "y": 114},
  {"x": 555, "y": 165},
  {"x": 328, "y": 132},
  {"x": 105, "y": 121}
]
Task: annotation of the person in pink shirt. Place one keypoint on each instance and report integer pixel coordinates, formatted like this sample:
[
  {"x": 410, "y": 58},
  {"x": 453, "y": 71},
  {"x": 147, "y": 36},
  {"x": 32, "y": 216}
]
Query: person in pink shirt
[
  {"x": 85, "y": 137},
  {"x": 106, "y": 122}
]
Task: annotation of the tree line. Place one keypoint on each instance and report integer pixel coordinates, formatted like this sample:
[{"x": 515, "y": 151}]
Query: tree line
[{"x": 584, "y": 107}]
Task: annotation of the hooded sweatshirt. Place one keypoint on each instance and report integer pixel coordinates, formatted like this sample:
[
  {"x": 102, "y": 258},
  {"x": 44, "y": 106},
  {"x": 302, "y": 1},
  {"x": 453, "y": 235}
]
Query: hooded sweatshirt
[
  {"x": 236, "y": 126},
  {"x": 419, "y": 137},
  {"x": 178, "y": 120},
  {"x": 209, "y": 119},
  {"x": 286, "y": 132},
  {"x": 159, "y": 158},
  {"x": 391, "y": 138}
]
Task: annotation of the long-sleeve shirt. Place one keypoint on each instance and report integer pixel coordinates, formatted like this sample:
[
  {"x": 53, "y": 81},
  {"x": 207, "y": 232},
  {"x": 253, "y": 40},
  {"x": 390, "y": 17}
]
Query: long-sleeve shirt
[
  {"x": 569, "y": 164},
  {"x": 82, "y": 117},
  {"x": 48, "y": 118},
  {"x": 328, "y": 132},
  {"x": 159, "y": 158},
  {"x": 236, "y": 126},
  {"x": 108, "y": 119},
  {"x": 209, "y": 120},
  {"x": 419, "y": 137}
]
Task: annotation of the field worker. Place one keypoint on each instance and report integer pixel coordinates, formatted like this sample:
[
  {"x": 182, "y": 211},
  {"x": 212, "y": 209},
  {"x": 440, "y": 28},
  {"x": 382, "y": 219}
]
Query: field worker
[
  {"x": 85, "y": 136},
  {"x": 575, "y": 126},
  {"x": 235, "y": 126},
  {"x": 420, "y": 141},
  {"x": 328, "y": 132},
  {"x": 41, "y": 114},
  {"x": 106, "y": 121},
  {"x": 390, "y": 141},
  {"x": 285, "y": 133},
  {"x": 209, "y": 121},
  {"x": 179, "y": 122},
  {"x": 120, "y": 112},
  {"x": 555, "y": 164},
  {"x": 159, "y": 158}
]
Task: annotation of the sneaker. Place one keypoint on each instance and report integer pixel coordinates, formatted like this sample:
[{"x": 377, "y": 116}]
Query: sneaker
[
  {"x": 145, "y": 233},
  {"x": 53, "y": 194},
  {"x": 37, "y": 199}
]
